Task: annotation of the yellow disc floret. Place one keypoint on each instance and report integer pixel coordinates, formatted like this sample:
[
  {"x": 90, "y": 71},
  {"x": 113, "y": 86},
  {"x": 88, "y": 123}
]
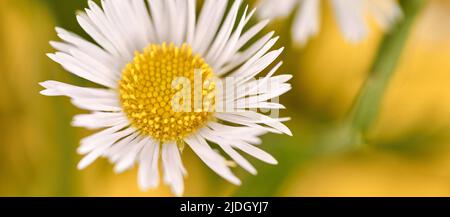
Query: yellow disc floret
[{"x": 147, "y": 92}]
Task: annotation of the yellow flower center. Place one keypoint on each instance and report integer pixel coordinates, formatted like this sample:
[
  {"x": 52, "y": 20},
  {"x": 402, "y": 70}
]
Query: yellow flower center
[{"x": 148, "y": 89}]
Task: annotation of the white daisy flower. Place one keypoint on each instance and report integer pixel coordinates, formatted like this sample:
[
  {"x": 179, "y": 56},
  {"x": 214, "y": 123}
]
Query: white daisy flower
[
  {"x": 140, "y": 48},
  {"x": 350, "y": 14}
]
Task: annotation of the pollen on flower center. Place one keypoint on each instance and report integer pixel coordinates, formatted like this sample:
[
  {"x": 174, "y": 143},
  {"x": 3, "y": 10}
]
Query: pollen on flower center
[{"x": 147, "y": 91}]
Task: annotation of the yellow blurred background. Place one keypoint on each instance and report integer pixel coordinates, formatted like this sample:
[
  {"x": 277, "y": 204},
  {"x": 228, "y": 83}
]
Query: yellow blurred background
[{"x": 407, "y": 153}]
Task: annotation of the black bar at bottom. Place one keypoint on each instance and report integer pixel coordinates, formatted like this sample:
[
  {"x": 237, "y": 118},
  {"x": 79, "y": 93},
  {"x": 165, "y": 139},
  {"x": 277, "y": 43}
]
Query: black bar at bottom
[{"x": 225, "y": 206}]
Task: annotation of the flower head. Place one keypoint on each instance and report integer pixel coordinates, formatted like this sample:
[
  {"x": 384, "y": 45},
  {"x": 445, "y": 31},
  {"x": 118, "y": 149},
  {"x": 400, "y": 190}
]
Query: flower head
[
  {"x": 350, "y": 14},
  {"x": 163, "y": 70}
]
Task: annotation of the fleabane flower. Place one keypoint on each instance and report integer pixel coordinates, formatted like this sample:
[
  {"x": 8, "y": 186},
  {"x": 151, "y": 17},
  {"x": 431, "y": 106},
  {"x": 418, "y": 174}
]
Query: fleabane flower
[
  {"x": 148, "y": 57},
  {"x": 350, "y": 14}
]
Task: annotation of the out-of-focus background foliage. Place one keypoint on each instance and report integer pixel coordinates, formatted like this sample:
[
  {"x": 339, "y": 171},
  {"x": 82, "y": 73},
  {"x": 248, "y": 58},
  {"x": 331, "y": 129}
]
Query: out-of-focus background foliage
[{"x": 405, "y": 153}]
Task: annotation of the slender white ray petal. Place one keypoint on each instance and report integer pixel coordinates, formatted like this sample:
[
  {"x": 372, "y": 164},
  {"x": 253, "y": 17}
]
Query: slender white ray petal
[
  {"x": 148, "y": 174},
  {"x": 173, "y": 168},
  {"x": 256, "y": 58},
  {"x": 274, "y": 92},
  {"x": 90, "y": 28},
  {"x": 110, "y": 136},
  {"x": 386, "y": 12},
  {"x": 212, "y": 159},
  {"x": 177, "y": 11},
  {"x": 213, "y": 137},
  {"x": 264, "y": 86},
  {"x": 98, "y": 105},
  {"x": 131, "y": 157},
  {"x": 224, "y": 33},
  {"x": 273, "y": 9},
  {"x": 233, "y": 129},
  {"x": 242, "y": 57},
  {"x": 77, "y": 41},
  {"x": 93, "y": 65},
  {"x": 248, "y": 104},
  {"x": 81, "y": 69},
  {"x": 259, "y": 65},
  {"x": 113, "y": 28},
  {"x": 208, "y": 24},
  {"x": 94, "y": 99},
  {"x": 99, "y": 147},
  {"x": 129, "y": 21},
  {"x": 237, "y": 120},
  {"x": 307, "y": 21},
  {"x": 251, "y": 33},
  {"x": 92, "y": 156},
  {"x": 259, "y": 86},
  {"x": 63, "y": 47},
  {"x": 351, "y": 20},
  {"x": 255, "y": 152},
  {"x": 232, "y": 45},
  {"x": 248, "y": 134},
  {"x": 98, "y": 120},
  {"x": 118, "y": 150},
  {"x": 250, "y": 118},
  {"x": 143, "y": 19},
  {"x": 56, "y": 88},
  {"x": 75, "y": 44},
  {"x": 157, "y": 10},
  {"x": 191, "y": 20}
]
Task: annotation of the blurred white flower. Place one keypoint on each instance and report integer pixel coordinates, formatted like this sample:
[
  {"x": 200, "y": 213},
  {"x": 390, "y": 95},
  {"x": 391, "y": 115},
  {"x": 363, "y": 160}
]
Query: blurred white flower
[{"x": 350, "y": 14}]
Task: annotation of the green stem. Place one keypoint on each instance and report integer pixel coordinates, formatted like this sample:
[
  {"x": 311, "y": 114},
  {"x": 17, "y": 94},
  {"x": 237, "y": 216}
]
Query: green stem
[{"x": 366, "y": 107}]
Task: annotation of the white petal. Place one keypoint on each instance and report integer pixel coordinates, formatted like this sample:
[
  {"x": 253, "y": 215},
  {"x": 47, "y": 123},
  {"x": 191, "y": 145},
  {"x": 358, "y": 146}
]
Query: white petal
[
  {"x": 120, "y": 148},
  {"x": 143, "y": 19},
  {"x": 351, "y": 19},
  {"x": 213, "y": 137},
  {"x": 191, "y": 20},
  {"x": 252, "y": 51},
  {"x": 96, "y": 34},
  {"x": 98, "y": 105},
  {"x": 223, "y": 35},
  {"x": 75, "y": 41},
  {"x": 211, "y": 158},
  {"x": 386, "y": 12},
  {"x": 274, "y": 9},
  {"x": 257, "y": 67},
  {"x": 251, "y": 33},
  {"x": 307, "y": 21},
  {"x": 98, "y": 148},
  {"x": 233, "y": 130},
  {"x": 82, "y": 70},
  {"x": 255, "y": 60},
  {"x": 248, "y": 134},
  {"x": 109, "y": 22},
  {"x": 173, "y": 167},
  {"x": 259, "y": 86},
  {"x": 148, "y": 174},
  {"x": 255, "y": 152},
  {"x": 233, "y": 44},
  {"x": 131, "y": 156},
  {"x": 98, "y": 120},
  {"x": 160, "y": 21},
  {"x": 95, "y": 99},
  {"x": 55, "y": 88},
  {"x": 111, "y": 134},
  {"x": 177, "y": 12},
  {"x": 92, "y": 156},
  {"x": 208, "y": 23},
  {"x": 252, "y": 119}
]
